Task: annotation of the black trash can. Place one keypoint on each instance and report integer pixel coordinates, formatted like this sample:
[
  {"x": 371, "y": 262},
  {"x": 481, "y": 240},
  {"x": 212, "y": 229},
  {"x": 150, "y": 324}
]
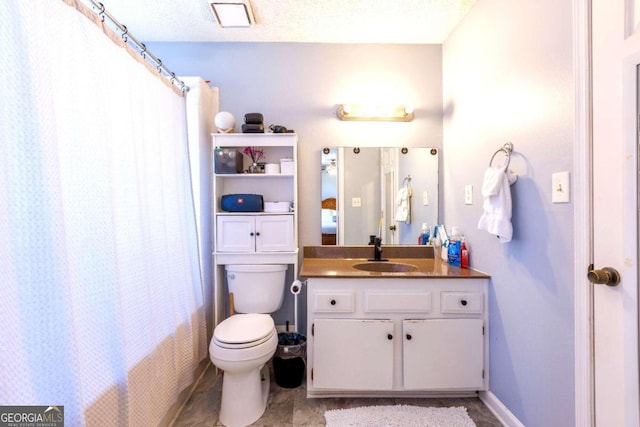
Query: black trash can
[{"x": 289, "y": 362}]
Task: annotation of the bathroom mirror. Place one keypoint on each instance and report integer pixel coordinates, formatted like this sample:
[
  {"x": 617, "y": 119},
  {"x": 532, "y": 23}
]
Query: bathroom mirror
[{"x": 386, "y": 191}]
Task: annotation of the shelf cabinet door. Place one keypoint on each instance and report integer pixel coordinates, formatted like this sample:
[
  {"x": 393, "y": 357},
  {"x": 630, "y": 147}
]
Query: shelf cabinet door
[
  {"x": 235, "y": 234},
  {"x": 443, "y": 354},
  {"x": 262, "y": 233},
  {"x": 353, "y": 354},
  {"x": 275, "y": 233}
]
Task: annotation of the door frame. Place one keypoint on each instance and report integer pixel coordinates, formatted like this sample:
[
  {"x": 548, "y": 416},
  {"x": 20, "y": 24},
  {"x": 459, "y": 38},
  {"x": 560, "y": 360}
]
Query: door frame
[{"x": 582, "y": 208}]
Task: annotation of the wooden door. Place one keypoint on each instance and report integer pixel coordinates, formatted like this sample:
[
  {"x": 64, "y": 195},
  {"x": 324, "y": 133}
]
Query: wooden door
[{"x": 614, "y": 237}]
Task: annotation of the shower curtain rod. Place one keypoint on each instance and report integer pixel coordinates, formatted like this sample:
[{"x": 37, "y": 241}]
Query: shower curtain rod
[{"x": 140, "y": 47}]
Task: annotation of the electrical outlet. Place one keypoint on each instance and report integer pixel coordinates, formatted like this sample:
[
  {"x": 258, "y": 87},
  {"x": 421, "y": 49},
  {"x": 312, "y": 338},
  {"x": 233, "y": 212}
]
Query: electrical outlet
[
  {"x": 560, "y": 187},
  {"x": 356, "y": 202},
  {"x": 468, "y": 194}
]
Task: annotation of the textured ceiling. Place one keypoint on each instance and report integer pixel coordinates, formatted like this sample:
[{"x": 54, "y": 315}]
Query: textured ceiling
[{"x": 309, "y": 21}]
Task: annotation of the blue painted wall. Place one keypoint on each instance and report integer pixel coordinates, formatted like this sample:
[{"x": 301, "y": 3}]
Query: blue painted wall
[
  {"x": 507, "y": 77},
  {"x": 512, "y": 81}
]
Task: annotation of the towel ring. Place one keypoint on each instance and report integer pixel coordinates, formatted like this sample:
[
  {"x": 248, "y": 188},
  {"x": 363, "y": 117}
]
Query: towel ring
[{"x": 506, "y": 149}]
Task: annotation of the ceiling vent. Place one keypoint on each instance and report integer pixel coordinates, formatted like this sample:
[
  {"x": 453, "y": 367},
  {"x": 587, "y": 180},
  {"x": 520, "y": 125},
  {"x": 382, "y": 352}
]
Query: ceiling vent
[{"x": 233, "y": 13}]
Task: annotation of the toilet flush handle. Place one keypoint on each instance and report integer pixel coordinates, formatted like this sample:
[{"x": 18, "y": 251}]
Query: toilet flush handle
[{"x": 231, "y": 276}]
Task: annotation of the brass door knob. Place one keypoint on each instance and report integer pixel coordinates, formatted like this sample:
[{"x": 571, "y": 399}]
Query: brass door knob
[{"x": 605, "y": 276}]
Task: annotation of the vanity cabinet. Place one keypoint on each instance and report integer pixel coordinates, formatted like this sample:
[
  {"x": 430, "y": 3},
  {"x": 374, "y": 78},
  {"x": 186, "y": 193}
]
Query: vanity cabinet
[
  {"x": 253, "y": 237},
  {"x": 396, "y": 336}
]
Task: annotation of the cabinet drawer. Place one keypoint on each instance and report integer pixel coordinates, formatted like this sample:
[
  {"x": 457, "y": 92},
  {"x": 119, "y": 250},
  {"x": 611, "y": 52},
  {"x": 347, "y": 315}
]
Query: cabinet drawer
[
  {"x": 334, "y": 302},
  {"x": 461, "y": 302},
  {"x": 414, "y": 302}
]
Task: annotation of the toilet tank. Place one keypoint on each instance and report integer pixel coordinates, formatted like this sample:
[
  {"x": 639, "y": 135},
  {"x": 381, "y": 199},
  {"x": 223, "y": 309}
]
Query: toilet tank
[{"x": 256, "y": 288}]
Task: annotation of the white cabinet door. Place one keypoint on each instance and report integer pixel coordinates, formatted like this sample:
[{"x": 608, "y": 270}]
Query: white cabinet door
[
  {"x": 274, "y": 233},
  {"x": 353, "y": 354},
  {"x": 235, "y": 234},
  {"x": 443, "y": 354}
]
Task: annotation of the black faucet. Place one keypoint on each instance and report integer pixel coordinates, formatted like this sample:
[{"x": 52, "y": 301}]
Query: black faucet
[{"x": 377, "y": 249}]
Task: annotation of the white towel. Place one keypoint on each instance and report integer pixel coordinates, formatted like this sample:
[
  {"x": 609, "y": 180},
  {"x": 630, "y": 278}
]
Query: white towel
[
  {"x": 496, "y": 218},
  {"x": 403, "y": 205}
]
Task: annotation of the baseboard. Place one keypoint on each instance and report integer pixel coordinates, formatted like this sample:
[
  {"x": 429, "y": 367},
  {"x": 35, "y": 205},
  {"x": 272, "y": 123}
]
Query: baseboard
[{"x": 502, "y": 413}]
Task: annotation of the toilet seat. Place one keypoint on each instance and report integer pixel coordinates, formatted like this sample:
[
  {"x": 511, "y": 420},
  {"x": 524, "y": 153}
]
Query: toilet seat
[
  {"x": 244, "y": 331},
  {"x": 222, "y": 353}
]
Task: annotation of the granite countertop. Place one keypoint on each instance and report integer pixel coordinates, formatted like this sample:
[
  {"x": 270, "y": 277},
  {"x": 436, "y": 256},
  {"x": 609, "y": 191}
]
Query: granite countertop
[{"x": 339, "y": 261}]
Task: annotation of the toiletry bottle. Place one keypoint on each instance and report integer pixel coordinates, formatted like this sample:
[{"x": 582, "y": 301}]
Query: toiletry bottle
[
  {"x": 437, "y": 247},
  {"x": 444, "y": 240},
  {"x": 464, "y": 254},
  {"x": 424, "y": 234},
  {"x": 453, "y": 250}
]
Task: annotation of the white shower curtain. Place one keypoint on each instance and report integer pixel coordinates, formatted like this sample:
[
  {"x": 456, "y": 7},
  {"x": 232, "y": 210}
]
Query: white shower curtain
[{"x": 101, "y": 301}]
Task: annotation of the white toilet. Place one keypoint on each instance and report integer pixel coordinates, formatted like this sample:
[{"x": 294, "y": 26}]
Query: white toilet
[{"x": 243, "y": 343}]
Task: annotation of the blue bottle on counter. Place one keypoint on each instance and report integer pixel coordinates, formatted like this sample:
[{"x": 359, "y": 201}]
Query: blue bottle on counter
[
  {"x": 454, "y": 247},
  {"x": 423, "y": 239}
]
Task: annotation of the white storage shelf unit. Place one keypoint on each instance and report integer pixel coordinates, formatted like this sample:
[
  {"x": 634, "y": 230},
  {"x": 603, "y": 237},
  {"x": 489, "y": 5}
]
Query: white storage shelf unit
[{"x": 254, "y": 237}]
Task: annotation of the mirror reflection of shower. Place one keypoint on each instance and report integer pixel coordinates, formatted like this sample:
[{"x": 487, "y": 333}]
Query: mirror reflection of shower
[{"x": 388, "y": 191}]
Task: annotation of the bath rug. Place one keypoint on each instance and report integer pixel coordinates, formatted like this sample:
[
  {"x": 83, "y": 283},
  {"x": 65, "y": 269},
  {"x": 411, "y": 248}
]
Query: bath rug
[{"x": 399, "y": 416}]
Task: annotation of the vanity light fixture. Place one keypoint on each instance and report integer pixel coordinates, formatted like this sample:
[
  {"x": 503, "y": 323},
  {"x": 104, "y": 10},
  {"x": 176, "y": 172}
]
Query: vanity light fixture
[
  {"x": 233, "y": 13},
  {"x": 379, "y": 113}
]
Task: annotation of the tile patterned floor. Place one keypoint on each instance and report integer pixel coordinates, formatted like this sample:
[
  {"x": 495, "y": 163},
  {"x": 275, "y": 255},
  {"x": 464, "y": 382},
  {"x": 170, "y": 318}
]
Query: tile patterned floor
[{"x": 290, "y": 407}]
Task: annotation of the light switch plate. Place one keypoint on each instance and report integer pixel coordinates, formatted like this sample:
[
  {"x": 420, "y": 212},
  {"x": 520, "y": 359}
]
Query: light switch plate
[
  {"x": 560, "y": 187},
  {"x": 425, "y": 198},
  {"x": 468, "y": 194},
  {"x": 356, "y": 202}
]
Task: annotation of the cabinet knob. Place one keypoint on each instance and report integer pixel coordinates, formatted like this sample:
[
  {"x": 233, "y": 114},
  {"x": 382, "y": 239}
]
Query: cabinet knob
[
  {"x": 257, "y": 233},
  {"x": 251, "y": 234},
  {"x": 389, "y": 337},
  {"x": 333, "y": 302},
  {"x": 409, "y": 336},
  {"x": 463, "y": 301}
]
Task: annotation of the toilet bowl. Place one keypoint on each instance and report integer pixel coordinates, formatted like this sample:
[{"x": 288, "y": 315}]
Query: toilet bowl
[
  {"x": 243, "y": 343},
  {"x": 241, "y": 346}
]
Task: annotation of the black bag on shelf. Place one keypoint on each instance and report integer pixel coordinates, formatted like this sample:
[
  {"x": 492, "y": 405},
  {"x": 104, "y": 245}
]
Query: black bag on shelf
[
  {"x": 253, "y": 119},
  {"x": 253, "y": 128}
]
